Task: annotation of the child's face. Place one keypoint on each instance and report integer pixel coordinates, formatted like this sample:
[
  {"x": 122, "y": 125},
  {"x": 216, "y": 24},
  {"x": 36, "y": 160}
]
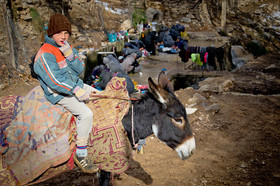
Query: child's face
[{"x": 60, "y": 37}]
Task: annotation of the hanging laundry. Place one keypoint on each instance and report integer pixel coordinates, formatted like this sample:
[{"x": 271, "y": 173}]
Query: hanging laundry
[
  {"x": 196, "y": 58},
  {"x": 206, "y": 57}
]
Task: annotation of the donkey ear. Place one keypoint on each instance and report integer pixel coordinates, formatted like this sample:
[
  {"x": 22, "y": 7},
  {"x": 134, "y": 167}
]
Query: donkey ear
[
  {"x": 152, "y": 85},
  {"x": 160, "y": 94},
  {"x": 164, "y": 82}
]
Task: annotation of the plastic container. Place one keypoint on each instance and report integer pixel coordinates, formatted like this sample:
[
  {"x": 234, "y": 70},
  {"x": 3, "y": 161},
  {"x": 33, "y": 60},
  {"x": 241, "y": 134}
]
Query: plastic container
[{"x": 112, "y": 37}]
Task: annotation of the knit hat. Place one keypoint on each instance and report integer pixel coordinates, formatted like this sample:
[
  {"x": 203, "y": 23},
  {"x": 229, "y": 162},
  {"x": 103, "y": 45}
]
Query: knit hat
[{"x": 58, "y": 23}]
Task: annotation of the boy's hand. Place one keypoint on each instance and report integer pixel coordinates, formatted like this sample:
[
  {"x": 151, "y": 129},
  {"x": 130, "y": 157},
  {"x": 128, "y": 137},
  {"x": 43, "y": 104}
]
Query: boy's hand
[
  {"x": 81, "y": 94},
  {"x": 67, "y": 51}
]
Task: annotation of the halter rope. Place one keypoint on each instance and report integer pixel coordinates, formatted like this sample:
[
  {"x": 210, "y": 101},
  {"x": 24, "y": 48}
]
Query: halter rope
[
  {"x": 132, "y": 121},
  {"x": 94, "y": 96}
]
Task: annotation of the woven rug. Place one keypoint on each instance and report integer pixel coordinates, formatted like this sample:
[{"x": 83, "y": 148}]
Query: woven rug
[
  {"x": 109, "y": 145},
  {"x": 42, "y": 136},
  {"x": 7, "y": 104},
  {"x": 6, "y": 110},
  {"x": 37, "y": 135}
]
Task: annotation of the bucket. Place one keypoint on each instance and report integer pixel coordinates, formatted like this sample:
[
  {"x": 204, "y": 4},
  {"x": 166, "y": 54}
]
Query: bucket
[{"x": 112, "y": 37}]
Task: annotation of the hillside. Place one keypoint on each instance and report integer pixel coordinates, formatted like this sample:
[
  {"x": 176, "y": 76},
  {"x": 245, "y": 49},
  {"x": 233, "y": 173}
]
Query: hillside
[{"x": 253, "y": 24}]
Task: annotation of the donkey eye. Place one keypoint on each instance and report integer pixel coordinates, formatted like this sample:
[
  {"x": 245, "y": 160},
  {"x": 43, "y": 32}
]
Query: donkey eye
[{"x": 180, "y": 122}]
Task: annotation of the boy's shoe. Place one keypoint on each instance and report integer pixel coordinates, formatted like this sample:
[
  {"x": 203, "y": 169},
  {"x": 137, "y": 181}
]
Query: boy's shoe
[{"x": 86, "y": 164}]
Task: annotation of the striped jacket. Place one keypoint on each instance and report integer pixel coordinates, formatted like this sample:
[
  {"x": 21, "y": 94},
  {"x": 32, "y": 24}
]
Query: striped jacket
[{"x": 57, "y": 75}]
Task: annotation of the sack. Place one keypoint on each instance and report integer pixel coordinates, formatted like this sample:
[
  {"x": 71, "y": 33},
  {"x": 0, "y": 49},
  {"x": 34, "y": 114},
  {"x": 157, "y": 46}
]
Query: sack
[{"x": 31, "y": 66}]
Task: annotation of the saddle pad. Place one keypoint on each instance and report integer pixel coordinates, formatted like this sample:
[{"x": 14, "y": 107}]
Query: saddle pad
[{"x": 108, "y": 144}]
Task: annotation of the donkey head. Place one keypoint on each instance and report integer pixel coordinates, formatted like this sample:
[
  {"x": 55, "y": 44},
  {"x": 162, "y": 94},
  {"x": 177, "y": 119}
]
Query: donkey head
[{"x": 172, "y": 126}]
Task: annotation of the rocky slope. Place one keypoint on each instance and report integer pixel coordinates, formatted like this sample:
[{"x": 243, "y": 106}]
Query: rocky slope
[{"x": 253, "y": 24}]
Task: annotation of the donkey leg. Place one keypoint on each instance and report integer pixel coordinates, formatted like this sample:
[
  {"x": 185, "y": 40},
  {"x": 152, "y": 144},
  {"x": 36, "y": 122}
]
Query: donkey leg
[{"x": 104, "y": 178}]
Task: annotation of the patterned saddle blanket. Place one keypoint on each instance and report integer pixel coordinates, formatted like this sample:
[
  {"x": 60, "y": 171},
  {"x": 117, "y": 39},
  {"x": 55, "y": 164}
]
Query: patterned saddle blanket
[{"x": 37, "y": 136}]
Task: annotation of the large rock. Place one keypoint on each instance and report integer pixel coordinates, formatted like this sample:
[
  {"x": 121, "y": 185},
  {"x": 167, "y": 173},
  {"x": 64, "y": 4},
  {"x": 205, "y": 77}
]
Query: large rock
[
  {"x": 240, "y": 56},
  {"x": 126, "y": 25},
  {"x": 216, "y": 85},
  {"x": 196, "y": 99},
  {"x": 154, "y": 15}
]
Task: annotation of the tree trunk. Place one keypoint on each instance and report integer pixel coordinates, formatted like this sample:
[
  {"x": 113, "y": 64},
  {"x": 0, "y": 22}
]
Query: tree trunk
[
  {"x": 100, "y": 14},
  {"x": 6, "y": 16},
  {"x": 129, "y": 10},
  {"x": 224, "y": 14}
]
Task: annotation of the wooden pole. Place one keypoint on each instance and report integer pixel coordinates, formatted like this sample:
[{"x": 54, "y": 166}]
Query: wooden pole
[{"x": 224, "y": 14}]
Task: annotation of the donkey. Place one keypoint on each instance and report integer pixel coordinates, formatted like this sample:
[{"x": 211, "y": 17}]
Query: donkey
[
  {"x": 161, "y": 113},
  {"x": 157, "y": 112}
]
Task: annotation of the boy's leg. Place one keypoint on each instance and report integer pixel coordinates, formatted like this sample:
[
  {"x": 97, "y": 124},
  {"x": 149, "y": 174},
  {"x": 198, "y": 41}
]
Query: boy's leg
[
  {"x": 84, "y": 126},
  {"x": 83, "y": 113}
]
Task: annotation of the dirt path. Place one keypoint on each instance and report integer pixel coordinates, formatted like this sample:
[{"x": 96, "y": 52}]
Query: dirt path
[{"x": 239, "y": 145}]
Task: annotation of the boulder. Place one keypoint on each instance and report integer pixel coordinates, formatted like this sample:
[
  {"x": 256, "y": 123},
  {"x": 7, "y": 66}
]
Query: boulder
[
  {"x": 126, "y": 25},
  {"x": 154, "y": 15},
  {"x": 196, "y": 99},
  {"x": 216, "y": 85},
  {"x": 240, "y": 56},
  {"x": 209, "y": 88},
  {"x": 214, "y": 108}
]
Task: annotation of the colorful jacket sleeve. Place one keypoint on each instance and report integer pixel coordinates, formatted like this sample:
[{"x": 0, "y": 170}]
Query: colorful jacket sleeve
[{"x": 52, "y": 75}]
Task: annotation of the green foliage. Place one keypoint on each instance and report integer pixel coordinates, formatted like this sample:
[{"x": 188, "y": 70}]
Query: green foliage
[
  {"x": 36, "y": 19},
  {"x": 138, "y": 16}
]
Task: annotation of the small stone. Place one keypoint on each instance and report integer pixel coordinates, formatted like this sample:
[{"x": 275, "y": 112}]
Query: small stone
[
  {"x": 243, "y": 164},
  {"x": 213, "y": 108},
  {"x": 2, "y": 86},
  {"x": 26, "y": 17},
  {"x": 21, "y": 67},
  {"x": 191, "y": 110}
]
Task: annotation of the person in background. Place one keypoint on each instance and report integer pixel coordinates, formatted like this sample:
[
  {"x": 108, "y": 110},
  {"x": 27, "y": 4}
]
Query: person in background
[
  {"x": 183, "y": 46},
  {"x": 58, "y": 66},
  {"x": 150, "y": 42},
  {"x": 129, "y": 63}
]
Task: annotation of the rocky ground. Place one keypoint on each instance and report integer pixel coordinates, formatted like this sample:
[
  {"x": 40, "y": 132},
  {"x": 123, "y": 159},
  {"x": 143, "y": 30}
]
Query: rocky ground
[{"x": 237, "y": 132}]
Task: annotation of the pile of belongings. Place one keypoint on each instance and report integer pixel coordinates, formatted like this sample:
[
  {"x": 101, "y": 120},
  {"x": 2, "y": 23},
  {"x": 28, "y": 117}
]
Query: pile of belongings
[{"x": 110, "y": 68}]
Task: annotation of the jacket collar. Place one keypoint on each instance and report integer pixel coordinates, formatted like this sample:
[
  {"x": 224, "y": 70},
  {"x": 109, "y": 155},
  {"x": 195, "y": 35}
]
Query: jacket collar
[{"x": 51, "y": 41}]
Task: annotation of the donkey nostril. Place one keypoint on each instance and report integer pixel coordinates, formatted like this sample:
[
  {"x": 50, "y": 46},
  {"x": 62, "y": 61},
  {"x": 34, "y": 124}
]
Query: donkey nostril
[{"x": 192, "y": 151}]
